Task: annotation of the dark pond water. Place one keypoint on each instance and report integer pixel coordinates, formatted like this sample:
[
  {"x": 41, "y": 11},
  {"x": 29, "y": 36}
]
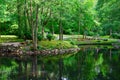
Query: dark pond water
[{"x": 90, "y": 63}]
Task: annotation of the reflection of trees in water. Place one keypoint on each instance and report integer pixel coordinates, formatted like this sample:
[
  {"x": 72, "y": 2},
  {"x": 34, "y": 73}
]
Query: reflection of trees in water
[
  {"x": 34, "y": 66},
  {"x": 89, "y": 64}
]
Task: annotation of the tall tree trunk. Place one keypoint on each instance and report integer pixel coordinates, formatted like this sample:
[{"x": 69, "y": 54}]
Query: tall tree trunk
[
  {"x": 42, "y": 26},
  {"x": 60, "y": 30},
  {"x": 36, "y": 28},
  {"x": 26, "y": 17},
  {"x": 19, "y": 21},
  {"x": 33, "y": 28},
  {"x": 60, "y": 26}
]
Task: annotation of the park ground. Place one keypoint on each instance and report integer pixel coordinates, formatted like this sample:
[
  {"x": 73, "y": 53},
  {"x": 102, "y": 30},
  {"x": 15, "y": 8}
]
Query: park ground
[{"x": 69, "y": 41}]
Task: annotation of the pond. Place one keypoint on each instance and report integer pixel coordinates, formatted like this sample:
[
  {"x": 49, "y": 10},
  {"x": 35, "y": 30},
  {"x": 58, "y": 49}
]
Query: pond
[{"x": 90, "y": 63}]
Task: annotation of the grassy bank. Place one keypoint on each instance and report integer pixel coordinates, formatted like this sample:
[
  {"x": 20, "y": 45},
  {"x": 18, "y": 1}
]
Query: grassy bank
[{"x": 55, "y": 44}]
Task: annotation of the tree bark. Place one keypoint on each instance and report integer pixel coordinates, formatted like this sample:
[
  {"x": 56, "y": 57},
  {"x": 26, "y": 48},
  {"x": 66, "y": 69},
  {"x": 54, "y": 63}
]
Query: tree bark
[
  {"x": 33, "y": 28},
  {"x": 60, "y": 30},
  {"x": 36, "y": 28},
  {"x": 18, "y": 16},
  {"x": 60, "y": 26},
  {"x": 26, "y": 16},
  {"x": 42, "y": 27}
]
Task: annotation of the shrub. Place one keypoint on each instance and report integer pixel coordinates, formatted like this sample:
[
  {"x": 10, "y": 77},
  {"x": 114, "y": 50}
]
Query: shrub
[
  {"x": 28, "y": 35},
  {"x": 115, "y": 35},
  {"x": 90, "y": 33},
  {"x": 68, "y": 31},
  {"x": 49, "y": 37},
  {"x": 40, "y": 37}
]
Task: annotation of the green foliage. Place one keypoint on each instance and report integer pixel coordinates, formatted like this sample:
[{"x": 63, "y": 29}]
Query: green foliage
[
  {"x": 77, "y": 16},
  {"x": 91, "y": 33},
  {"x": 100, "y": 60},
  {"x": 68, "y": 31},
  {"x": 7, "y": 65},
  {"x": 115, "y": 35},
  {"x": 108, "y": 15},
  {"x": 40, "y": 37},
  {"x": 27, "y": 35},
  {"x": 49, "y": 36}
]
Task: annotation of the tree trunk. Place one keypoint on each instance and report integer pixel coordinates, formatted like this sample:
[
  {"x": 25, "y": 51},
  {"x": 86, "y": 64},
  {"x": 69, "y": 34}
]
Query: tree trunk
[
  {"x": 33, "y": 28},
  {"x": 42, "y": 25},
  {"x": 60, "y": 26},
  {"x": 26, "y": 17},
  {"x": 36, "y": 29},
  {"x": 60, "y": 31},
  {"x": 19, "y": 21}
]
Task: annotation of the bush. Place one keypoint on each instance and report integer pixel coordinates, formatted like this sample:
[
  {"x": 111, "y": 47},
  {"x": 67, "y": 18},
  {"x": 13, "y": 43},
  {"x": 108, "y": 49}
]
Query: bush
[
  {"x": 40, "y": 37},
  {"x": 115, "y": 35},
  {"x": 28, "y": 35},
  {"x": 90, "y": 33},
  {"x": 68, "y": 31},
  {"x": 49, "y": 37}
]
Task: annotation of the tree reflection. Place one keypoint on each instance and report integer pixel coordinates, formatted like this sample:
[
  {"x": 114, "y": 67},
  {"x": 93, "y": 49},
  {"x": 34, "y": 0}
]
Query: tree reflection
[{"x": 87, "y": 64}]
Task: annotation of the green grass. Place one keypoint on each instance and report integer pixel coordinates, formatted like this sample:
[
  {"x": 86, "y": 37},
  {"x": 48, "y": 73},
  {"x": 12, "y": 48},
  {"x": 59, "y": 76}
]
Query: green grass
[
  {"x": 12, "y": 36},
  {"x": 97, "y": 42},
  {"x": 55, "y": 44},
  {"x": 9, "y": 38},
  {"x": 106, "y": 37}
]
